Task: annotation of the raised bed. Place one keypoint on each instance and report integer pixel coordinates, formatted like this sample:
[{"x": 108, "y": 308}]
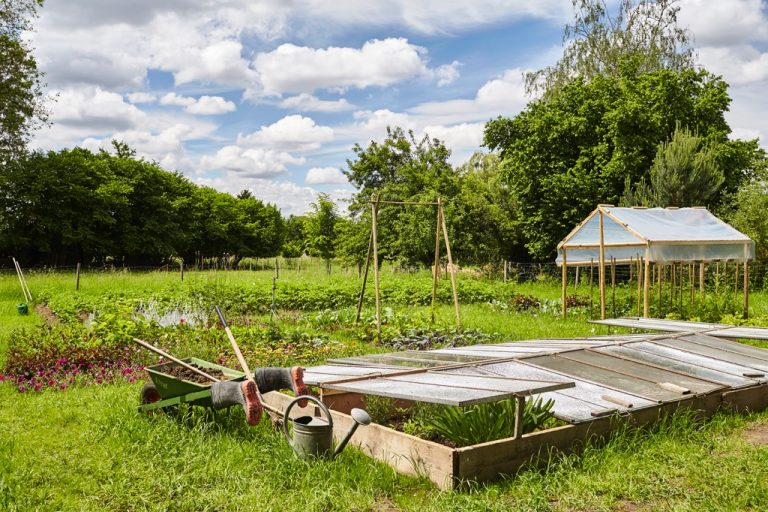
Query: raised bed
[{"x": 451, "y": 467}]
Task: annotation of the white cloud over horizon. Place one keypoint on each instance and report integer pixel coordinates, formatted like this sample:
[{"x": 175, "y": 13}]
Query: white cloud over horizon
[{"x": 276, "y": 94}]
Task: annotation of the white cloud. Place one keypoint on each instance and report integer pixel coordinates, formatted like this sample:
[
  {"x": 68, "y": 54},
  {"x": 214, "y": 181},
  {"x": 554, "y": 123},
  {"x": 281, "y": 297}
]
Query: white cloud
[
  {"x": 204, "y": 105},
  {"x": 300, "y": 69},
  {"x": 447, "y": 73},
  {"x": 741, "y": 64},
  {"x": 218, "y": 63},
  {"x": 252, "y": 163},
  {"x": 325, "y": 176},
  {"x": 291, "y": 133},
  {"x": 460, "y": 136},
  {"x": 724, "y": 22},
  {"x": 94, "y": 109},
  {"x": 177, "y": 100},
  {"x": 308, "y": 103},
  {"x": 291, "y": 198},
  {"x": 211, "y": 105},
  {"x": 141, "y": 97},
  {"x": 504, "y": 95}
]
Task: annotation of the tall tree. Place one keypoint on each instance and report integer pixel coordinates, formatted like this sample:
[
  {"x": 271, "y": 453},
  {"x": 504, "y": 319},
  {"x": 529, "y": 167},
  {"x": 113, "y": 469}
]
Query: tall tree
[
  {"x": 22, "y": 107},
  {"x": 685, "y": 172},
  {"x": 567, "y": 154},
  {"x": 321, "y": 227},
  {"x": 600, "y": 43},
  {"x": 402, "y": 168}
]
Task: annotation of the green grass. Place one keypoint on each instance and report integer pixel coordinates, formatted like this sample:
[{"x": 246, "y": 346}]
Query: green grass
[{"x": 88, "y": 448}]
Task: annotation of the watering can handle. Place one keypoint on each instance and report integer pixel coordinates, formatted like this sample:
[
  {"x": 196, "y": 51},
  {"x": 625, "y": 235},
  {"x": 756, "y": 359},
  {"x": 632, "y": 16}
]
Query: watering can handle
[{"x": 286, "y": 414}]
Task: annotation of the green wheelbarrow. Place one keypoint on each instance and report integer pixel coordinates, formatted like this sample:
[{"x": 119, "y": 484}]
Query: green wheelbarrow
[{"x": 165, "y": 392}]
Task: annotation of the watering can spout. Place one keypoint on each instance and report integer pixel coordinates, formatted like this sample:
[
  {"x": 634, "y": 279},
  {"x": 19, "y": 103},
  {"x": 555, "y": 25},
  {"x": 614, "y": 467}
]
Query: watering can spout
[{"x": 361, "y": 418}]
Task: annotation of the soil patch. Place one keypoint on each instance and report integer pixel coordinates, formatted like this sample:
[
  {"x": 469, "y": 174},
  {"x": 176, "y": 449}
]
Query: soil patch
[
  {"x": 183, "y": 373},
  {"x": 49, "y": 316},
  {"x": 384, "y": 505},
  {"x": 757, "y": 434}
]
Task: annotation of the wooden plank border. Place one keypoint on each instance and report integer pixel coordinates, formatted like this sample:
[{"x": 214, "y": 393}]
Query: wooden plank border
[{"x": 450, "y": 468}]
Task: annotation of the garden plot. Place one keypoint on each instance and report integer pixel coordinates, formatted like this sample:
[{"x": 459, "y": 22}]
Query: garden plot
[{"x": 594, "y": 384}]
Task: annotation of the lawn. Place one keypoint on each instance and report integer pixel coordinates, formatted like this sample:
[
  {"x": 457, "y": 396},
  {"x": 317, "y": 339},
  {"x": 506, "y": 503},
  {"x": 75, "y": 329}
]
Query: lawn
[{"x": 87, "y": 448}]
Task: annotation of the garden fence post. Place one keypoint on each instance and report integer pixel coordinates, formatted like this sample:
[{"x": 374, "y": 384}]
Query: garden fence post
[{"x": 77, "y": 278}]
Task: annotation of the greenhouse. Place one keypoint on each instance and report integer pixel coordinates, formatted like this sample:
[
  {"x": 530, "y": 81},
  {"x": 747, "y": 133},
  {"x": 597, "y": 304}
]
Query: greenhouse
[{"x": 663, "y": 237}]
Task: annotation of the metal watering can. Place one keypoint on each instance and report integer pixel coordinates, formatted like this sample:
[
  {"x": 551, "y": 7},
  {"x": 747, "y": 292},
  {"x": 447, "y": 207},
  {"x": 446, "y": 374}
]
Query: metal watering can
[{"x": 313, "y": 436}]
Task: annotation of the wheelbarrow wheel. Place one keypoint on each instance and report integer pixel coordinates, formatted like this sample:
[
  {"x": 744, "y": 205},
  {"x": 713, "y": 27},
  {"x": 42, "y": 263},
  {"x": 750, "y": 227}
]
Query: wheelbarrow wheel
[{"x": 149, "y": 394}]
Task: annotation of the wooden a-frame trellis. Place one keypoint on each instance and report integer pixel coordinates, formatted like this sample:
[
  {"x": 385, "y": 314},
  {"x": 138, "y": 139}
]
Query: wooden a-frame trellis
[{"x": 373, "y": 249}]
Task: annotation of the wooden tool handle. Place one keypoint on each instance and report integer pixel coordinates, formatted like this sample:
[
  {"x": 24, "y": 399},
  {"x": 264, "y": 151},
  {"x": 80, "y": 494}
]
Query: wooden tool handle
[
  {"x": 177, "y": 361},
  {"x": 240, "y": 358}
]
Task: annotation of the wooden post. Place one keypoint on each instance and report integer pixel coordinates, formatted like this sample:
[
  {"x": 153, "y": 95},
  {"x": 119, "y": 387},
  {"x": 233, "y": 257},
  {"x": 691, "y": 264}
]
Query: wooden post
[
  {"x": 450, "y": 262},
  {"x": 181, "y": 269},
  {"x": 77, "y": 277},
  {"x": 736, "y": 281},
  {"x": 692, "y": 279},
  {"x": 365, "y": 277},
  {"x": 646, "y": 284},
  {"x": 746, "y": 281},
  {"x": 639, "y": 285},
  {"x": 591, "y": 282},
  {"x": 701, "y": 281},
  {"x": 506, "y": 271},
  {"x": 601, "y": 270},
  {"x": 564, "y": 294},
  {"x": 613, "y": 287},
  {"x": 659, "y": 278},
  {"x": 436, "y": 269},
  {"x": 374, "y": 214},
  {"x": 576, "y": 281},
  {"x": 277, "y": 268}
]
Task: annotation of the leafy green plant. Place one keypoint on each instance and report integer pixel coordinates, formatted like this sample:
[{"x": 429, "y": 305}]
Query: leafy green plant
[{"x": 480, "y": 423}]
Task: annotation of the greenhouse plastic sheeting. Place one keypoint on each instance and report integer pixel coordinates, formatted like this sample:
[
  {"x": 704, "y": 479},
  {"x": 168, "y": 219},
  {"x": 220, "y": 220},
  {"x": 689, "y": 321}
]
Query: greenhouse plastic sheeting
[{"x": 669, "y": 234}]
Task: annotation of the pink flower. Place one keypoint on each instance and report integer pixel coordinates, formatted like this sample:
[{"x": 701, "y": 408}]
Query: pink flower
[
  {"x": 38, "y": 387},
  {"x": 22, "y": 389}
]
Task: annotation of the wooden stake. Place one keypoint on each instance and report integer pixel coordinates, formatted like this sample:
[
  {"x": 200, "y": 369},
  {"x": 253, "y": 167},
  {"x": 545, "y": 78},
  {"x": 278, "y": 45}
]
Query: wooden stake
[
  {"x": 613, "y": 286},
  {"x": 374, "y": 228},
  {"x": 181, "y": 269},
  {"x": 365, "y": 278},
  {"x": 701, "y": 281},
  {"x": 659, "y": 274},
  {"x": 564, "y": 294},
  {"x": 646, "y": 285},
  {"x": 601, "y": 270},
  {"x": 77, "y": 278},
  {"x": 436, "y": 268},
  {"x": 746, "y": 281},
  {"x": 450, "y": 262},
  {"x": 692, "y": 279},
  {"x": 639, "y": 285}
]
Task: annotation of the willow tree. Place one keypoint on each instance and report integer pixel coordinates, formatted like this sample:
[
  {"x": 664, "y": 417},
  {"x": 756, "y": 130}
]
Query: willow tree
[{"x": 599, "y": 43}]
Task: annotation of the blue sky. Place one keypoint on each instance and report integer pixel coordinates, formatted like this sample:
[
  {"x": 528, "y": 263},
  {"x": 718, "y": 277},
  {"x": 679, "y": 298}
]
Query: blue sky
[{"x": 271, "y": 96}]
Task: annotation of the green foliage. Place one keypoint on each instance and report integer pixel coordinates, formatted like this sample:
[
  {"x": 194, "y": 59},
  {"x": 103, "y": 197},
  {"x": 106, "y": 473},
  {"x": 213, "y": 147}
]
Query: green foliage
[
  {"x": 321, "y": 227},
  {"x": 22, "y": 106},
  {"x": 565, "y": 155},
  {"x": 598, "y": 43},
  {"x": 684, "y": 173},
  {"x": 749, "y": 215},
  {"x": 481, "y": 423},
  {"x": 76, "y": 206}
]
